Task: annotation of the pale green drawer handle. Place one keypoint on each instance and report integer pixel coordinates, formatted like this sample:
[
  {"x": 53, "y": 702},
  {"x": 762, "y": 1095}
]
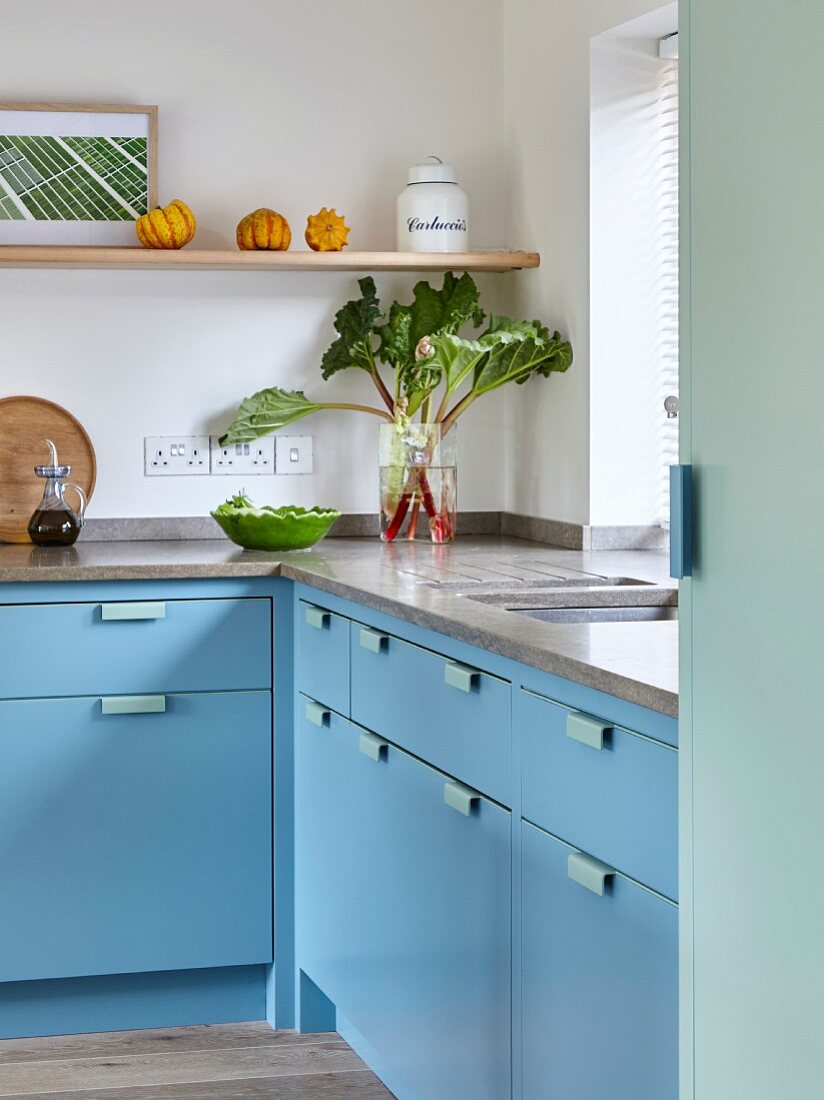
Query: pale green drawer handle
[
  {"x": 459, "y": 797},
  {"x": 589, "y": 731},
  {"x": 133, "y": 704},
  {"x": 372, "y": 746},
  {"x": 317, "y": 714},
  {"x": 589, "y": 872},
  {"x": 460, "y": 676},
  {"x": 317, "y": 617},
  {"x": 373, "y": 640},
  {"x": 122, "y": 612}
]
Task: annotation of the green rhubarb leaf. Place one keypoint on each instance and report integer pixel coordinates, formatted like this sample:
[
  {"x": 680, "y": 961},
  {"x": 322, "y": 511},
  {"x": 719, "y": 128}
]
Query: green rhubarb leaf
[
  {"x": 266, "y": 411},
  {"x": 355, "y": 325},
  {"x": 432, "y": 312}
]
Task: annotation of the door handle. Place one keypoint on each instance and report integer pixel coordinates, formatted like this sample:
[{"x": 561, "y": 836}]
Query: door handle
[
  {"x": 459, "y": 797},
  {"x": 589, "y": 731},
  {"x": 681, "y": 522},
  {"x": 373, "y": 747},
  {"x": 373, "y": 640},
  {"x": 317, "y": 714},
  {"x": 133, "y": 704},
  {"x": 317, "y": 617},
  {"x": 589, "y": 872},
  {"x": 127, "y": 612},
  {"x": 460, "y": 676}
]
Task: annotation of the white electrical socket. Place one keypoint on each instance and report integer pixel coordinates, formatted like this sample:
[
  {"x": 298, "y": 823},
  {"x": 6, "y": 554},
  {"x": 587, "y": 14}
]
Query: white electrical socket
[
  {"x": 175, "y": 455},
  {"x": 293, "y": 454},
  {"x": 257, "y": 457}
]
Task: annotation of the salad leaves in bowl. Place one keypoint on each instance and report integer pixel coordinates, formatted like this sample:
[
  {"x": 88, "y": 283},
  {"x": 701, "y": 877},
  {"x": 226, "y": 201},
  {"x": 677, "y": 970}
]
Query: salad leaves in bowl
[{"x": 268, "y": 528}]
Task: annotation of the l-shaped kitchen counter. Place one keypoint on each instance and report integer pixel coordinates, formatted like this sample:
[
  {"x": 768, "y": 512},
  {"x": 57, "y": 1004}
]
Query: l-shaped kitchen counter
[
  {"x": 238, "y": 786},
  {"x": 418, "y": 583}
]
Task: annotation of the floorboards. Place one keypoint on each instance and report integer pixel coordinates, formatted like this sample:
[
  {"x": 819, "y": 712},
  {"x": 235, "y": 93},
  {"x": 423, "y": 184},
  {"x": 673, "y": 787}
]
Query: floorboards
[{"x": 220, "y": 1062}]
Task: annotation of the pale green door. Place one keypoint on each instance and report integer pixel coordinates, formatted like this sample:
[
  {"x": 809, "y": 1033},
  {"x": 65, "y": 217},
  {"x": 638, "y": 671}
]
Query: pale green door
[{"x": 753, "y": 623}]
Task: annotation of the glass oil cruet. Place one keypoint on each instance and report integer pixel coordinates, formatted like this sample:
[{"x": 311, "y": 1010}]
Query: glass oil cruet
[{"x": 54, "y": 523}]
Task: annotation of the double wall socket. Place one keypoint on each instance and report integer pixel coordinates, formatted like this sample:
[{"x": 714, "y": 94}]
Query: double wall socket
[
  {"x": 257, "y": 457},
  {"x": 165, "y": 455}
]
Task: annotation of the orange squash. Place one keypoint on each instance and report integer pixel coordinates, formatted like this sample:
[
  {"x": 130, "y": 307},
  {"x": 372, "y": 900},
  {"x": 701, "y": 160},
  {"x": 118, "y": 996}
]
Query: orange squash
[
  {"x": 264, "y": 228},
  {"x": 171, "y": 226},
  {"x": 326, "y": 231}
]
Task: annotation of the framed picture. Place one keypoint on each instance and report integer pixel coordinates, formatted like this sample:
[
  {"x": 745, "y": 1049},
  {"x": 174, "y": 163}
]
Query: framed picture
[{"x": 75, "y": 175}]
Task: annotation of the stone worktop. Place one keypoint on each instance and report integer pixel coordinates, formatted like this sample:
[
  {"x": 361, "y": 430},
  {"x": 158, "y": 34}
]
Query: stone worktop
[{"x": 423, "y": 584}]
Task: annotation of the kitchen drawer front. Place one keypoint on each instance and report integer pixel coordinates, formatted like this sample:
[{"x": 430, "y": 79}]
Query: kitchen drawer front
[
  {"x": 135, "y": 646},
  {"x": 322, "y": 743},
  {"x": 453, "y": 716},
  {"x": 599, "y": 980},
  {"x": 138, "y": 839},
  {"x": 322, "y": 660},
  {"x": 618, "y": 802}
]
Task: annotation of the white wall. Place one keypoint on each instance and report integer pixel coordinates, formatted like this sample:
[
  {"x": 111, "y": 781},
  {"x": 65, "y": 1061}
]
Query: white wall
[
  {"x": 547, "y": 106},
  {"x": 262, "y": 102}
]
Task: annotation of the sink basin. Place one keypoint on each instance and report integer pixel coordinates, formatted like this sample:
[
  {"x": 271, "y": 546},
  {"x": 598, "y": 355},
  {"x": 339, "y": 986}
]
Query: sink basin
[{"x": 655, "y": 614}]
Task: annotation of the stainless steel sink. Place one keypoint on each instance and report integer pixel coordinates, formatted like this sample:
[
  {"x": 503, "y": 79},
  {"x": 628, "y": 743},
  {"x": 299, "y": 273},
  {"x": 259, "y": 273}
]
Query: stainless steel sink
[
  {"x": 614, "y": 600},
  {"x": 655, "y": 614}
]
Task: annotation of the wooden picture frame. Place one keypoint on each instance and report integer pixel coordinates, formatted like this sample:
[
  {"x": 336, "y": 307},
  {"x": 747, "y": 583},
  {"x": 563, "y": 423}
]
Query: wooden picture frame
[{"x": 75, "y": 174}]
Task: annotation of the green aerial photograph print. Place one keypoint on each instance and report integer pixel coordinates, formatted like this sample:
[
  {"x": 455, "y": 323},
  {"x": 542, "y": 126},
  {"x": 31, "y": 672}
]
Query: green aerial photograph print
[{"x": 44, "y": 178}]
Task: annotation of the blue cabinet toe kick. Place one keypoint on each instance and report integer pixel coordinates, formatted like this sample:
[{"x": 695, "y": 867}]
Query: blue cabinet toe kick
[{"x": 123, "y": 1002}]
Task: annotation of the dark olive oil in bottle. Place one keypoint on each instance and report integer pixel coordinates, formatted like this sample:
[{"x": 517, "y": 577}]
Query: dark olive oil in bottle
[{"x": 53, "y": 527}]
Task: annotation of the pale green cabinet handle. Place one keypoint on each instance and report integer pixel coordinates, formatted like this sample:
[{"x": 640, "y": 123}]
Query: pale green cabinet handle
[
  {"x": 589, "y": 872},
  {"x": 133, "y": 704},
  {"x": 373, "y": 640},
  {"x": 123, "y": 612},
  {"x": 459, "y": 797},
  {"x": 316, "y": 617},
  {"x": 317, "y": 714},
  {"x": 460, "y": 676},
  {"x": 589, "y": 731},
  {"x": 372, "y": 746}
]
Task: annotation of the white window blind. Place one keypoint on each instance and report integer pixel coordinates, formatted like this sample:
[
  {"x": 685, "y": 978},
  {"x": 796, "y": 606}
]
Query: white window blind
[{"x": 667, "y": 228}]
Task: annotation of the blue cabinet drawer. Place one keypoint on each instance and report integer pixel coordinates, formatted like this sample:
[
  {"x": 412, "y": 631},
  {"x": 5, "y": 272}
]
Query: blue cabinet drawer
[
  {"x": 322, "y": 657},
  {"x": 135, "y": 646},
  {"x": 322, "y": 875},
  {"x": 449, "y": 714},
  {"x": 430, "y": 927},
  {"x": 599, "y": 980},
  {"x": 618, "y": 801},
  {"x": 135, "y": 837}
]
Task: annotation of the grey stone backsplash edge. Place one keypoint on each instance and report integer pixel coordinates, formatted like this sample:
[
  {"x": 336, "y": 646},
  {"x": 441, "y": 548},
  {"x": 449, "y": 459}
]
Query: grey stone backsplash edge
[{"x": 567, "y": 536}]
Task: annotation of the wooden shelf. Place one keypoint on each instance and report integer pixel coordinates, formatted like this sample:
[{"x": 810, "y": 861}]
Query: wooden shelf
[{"x": 234, "y": 260}]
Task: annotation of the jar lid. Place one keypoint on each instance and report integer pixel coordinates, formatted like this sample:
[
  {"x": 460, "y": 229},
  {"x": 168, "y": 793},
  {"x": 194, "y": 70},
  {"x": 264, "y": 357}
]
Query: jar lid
[{"x": 431, "y": 170}]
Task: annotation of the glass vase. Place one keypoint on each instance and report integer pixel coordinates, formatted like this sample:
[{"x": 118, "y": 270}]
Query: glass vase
[{"x": 418, "y": 482}]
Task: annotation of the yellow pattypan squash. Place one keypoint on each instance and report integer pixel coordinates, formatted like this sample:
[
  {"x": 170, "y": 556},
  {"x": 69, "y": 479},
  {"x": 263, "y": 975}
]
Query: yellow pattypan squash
[
  {"x": 170, "y": 226},
  {"x": 264, "y": 228},
  {"x": 326, "y": 231}
]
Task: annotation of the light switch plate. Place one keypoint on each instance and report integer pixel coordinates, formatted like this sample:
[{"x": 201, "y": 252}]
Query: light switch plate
[
  {"x": 175, "y": 455},
  {"x": 257, "y": 457},
  {"x": 293, "y": 454}
]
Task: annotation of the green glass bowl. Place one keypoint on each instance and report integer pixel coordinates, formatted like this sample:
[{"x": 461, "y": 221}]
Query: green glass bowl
[{"x": 267, "y": 528}]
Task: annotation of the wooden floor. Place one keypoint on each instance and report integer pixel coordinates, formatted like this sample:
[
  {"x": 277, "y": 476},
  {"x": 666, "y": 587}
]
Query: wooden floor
[{"x": 220, "y": 1062}]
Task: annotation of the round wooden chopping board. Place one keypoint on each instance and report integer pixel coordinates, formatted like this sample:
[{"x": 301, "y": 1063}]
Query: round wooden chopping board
[{"x": 24, "y": 423}]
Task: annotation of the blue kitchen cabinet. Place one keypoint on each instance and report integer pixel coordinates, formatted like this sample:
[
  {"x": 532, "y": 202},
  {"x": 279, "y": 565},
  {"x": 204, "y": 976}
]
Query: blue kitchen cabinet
[
  {"x": 114, "y": 647},
  {"x": 606, "y": 789},
  {"x": 430, "y": 926},
  {"x": 321, "y": 850},
  {"x": 322, "y": 655},
  {"x": 455, "y": 715},
  {"x": 599, "y": 1013},
  {"x": 135, "y": 833}
]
